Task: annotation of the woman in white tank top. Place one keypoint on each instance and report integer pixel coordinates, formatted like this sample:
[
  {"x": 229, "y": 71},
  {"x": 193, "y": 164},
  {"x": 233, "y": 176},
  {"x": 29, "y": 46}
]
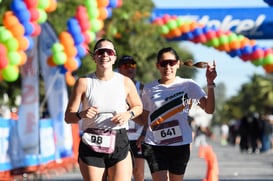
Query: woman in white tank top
[{"x": 103, "y": 97}]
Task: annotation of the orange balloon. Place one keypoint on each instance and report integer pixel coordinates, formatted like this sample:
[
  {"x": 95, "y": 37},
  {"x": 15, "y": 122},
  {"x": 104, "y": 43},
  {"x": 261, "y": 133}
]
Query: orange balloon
[
  {"x": 71, "y": 64},
  {"x": 244, "y": 42},
  {"x": 50, "y": 62},
  {"x": 17, "y": 30},
  {"x": 268, "y": 68},
  {"x": 70, "y": 51},
  {"x": 193, "y": 25},
  {"x": 185, "y": 28},
  {"x": 52, "y": 6},
  {"x": 234, "y": 45},
  {"x": 10, "y": 19},
  {"x": 66, "y": 39},
  {"x": 102, "y": 3},
  {"x": 175, "y": 32},
  {"x": 70, "y": 80},
  {"x": 23, "y": 56},
  {"x": 103, "y": 13},
  {"x": 224, "y": 47},
  {"x": 23, "y": 43}
]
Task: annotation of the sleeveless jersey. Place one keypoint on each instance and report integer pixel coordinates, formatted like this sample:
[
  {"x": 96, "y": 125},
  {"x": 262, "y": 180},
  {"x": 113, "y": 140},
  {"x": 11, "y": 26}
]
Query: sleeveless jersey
[{"x": 109, "y": 97}]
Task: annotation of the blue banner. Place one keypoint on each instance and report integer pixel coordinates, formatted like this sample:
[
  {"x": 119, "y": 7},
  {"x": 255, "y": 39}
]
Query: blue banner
[{"x": 254, "y": 23}]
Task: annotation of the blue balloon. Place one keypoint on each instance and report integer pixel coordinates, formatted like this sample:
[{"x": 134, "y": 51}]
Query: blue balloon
[
  {"x": 206, "y": 29},
  {"x": 197, "y": 31},
  {"x": 62, "y": 69},
  {"x": 30, "y": 42},
  {"x": 78, "y": 38},
  {"x": 23, "y": 16},
  {"x": 78, "y": 60},
  {"x": 29, "y": 29},
  {"x": 247, "y": 50},
  {"x": 73, "y": 26},
  {"x": 234, "y": 53},
  {"x": 80, "y": 51},
  {"x": 18, "y": 5},
  {"x": 113, "y": 3},
  {"x": 109, "y": 12}
]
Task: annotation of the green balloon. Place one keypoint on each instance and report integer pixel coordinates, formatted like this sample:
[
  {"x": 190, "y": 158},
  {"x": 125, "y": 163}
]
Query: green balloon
[
  {"x": 213, "y": 42},
  {"x": 232, "y": 37},
  {"x": 258, "y": 62},
  {"x": 223, "y": 39},
  {"x": 90, "y": 4},
  {"x": 93, "y": 13},
  {"x": 57, "y": 47},
  {"x": 95, "y": 25},
  {"x": 43, "y": 4},
  {"x": 59, "y": 58},
  {"x": 164, "y": 29},
  {"x": 4, "y": 34},
  {"x": 42, "y": 16},
  {"x": 180, "y": 21},
  {"x": 172, "y": 24},
  {"x": 268, "y": 59},
  {"x": 10, "y": 73},
  {"x": 14, "y": 58},
  {"x": 12, "y": 44}
]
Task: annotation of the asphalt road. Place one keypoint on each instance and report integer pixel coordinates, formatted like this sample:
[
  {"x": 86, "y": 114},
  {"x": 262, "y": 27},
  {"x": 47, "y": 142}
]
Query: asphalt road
[{"x": 232, "y": 165}]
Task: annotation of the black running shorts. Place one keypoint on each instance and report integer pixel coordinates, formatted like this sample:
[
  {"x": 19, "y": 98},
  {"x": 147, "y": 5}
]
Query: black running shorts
[
  {"x": 171, "y": 158},
  {"x": 103, "y": 160}
]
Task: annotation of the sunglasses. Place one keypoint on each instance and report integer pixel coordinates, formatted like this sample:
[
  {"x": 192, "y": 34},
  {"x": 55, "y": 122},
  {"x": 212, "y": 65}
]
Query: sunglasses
[
  {"x": 129, "y": 65},
  {"x": 101, "y": 51},
  {"x": 164, "y": 63}
]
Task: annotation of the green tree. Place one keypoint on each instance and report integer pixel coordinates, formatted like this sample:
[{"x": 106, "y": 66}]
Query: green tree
[{"x": 254, "y": 96}]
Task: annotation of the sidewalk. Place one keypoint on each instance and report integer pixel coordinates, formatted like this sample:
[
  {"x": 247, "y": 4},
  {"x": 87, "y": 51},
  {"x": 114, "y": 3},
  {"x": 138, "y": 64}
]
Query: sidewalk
[{"x": 233, "y": 166}]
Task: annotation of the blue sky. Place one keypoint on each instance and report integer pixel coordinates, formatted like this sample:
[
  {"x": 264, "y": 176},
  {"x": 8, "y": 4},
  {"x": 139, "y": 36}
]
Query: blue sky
[{"x": 232, "y": 71}]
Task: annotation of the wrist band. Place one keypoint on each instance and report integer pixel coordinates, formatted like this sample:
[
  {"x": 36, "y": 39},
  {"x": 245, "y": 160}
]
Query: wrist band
[
  {"x": 211, "y": 86},
  {"x": 78, "y": 115}
]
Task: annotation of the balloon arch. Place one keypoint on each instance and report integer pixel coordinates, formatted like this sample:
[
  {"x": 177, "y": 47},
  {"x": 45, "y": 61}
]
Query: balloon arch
[
  {"x": 22, "y": 23},
  {"x": 177, "y": 28}
]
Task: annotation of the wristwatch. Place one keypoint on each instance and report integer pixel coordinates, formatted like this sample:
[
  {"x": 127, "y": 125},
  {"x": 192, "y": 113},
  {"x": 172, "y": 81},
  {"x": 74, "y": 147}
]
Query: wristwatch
[
  {"x": 78, "y": 115},
  {"x": 132, "y": 114}
]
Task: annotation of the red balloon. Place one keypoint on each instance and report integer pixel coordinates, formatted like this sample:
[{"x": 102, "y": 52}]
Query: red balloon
[
  {"x": 37, "y": 29},
  {"x": 3, "y": 57},
  {"x": 34, "y": 14},
  {"x": 257, "y": 54},
  {"x": 210, "y": 35},
  {"x": 31, "y": 3},
  {"x": 268, "y": 51}
]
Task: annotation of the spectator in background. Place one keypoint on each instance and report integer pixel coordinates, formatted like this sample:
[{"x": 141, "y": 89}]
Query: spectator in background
[
  {"x": 224, "y": 134},
  {"x": 266, "y": 134}
]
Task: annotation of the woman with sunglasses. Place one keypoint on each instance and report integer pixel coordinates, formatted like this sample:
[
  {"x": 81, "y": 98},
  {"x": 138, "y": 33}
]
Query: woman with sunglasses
[
  {"x": 166, "y": 104},
  {"x": 100, "y": 101}
]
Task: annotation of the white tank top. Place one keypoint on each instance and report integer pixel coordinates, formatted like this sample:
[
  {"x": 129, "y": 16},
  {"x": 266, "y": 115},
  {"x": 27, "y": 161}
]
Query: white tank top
[{"x": 109, "y": 97}]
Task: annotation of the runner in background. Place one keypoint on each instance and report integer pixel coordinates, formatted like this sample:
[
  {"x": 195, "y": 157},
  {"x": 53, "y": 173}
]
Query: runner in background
[{"x": 127, "y": 66}]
